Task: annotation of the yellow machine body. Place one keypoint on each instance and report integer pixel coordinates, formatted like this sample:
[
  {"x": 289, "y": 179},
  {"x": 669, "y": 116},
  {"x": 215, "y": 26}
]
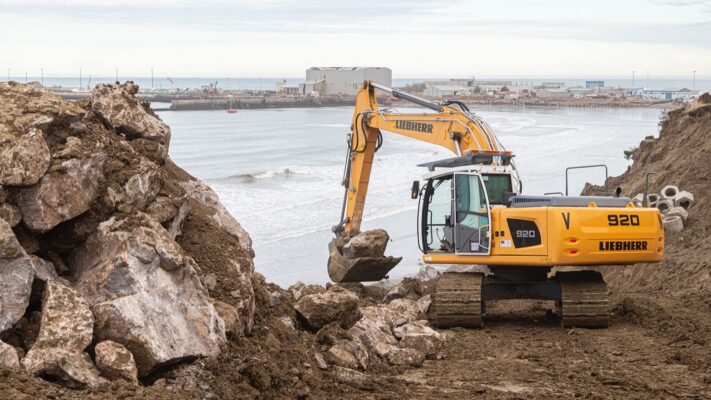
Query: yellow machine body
[{"x": 569, "y": 236}]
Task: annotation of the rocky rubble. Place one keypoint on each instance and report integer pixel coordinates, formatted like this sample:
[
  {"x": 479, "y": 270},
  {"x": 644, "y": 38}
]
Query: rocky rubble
[
  {"x": 93, "y": 284},
  {"x": 120, "y": 270}
]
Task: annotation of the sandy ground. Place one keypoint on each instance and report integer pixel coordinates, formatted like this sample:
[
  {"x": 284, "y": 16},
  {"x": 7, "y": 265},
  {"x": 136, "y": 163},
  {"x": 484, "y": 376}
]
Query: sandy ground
[{"x": 652, "y": 349}]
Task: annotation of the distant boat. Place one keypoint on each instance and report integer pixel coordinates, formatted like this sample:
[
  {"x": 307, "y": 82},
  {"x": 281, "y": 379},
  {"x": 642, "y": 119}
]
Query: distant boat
[{"x": 231, "y": 110}]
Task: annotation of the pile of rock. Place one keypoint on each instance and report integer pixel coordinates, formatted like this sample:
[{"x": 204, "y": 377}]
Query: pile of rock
[
  {"x": 94, "y": 285},
  {"x": 673, "y": 203},
  {"x": 355, "y": 338}
]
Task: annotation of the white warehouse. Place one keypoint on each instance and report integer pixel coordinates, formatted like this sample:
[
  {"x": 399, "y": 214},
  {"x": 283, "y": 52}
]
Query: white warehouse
[{"x": 346, "y": 80}]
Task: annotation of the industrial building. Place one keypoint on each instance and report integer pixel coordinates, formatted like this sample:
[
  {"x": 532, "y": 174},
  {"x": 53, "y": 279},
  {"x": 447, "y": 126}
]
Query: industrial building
[
  {"x": 446, "y": 90},
  {"x": 668, "y": 94},
  {"x": 343, "y": 80}
]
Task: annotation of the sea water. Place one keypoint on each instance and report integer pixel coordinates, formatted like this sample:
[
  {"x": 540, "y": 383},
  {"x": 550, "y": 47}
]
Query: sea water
[{"x": 279, "y": 171}]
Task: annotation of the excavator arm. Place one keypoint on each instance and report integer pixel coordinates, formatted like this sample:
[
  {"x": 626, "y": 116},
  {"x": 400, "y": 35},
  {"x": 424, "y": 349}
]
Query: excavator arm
[{"x": 451, "y": 125}]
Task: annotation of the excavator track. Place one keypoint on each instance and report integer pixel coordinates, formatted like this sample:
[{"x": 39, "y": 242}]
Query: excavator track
[
  {"x": 457, "y": 300},
  {"x": 584, "y": 300}
]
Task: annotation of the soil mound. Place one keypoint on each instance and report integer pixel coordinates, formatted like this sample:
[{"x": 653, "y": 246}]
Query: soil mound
[{"x": 680, "y": 156}]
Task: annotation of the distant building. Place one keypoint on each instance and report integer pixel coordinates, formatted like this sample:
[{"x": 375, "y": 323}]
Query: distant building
[
  {"x": 578, "y": 91},
  {"x": 312, "y": 88},
  {"x": 594, "y": 84},
  {"x": 343, "y": 80},
  {"x": 553, "y": 93},
  {"x": 668, "y": 94},
  {"x": 552, "y": 85},
  {"x": 446, "y": 90}
]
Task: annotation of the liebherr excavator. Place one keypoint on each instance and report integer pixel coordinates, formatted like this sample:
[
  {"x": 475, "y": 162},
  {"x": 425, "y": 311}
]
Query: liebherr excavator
[{"x": 472, "y": 212}]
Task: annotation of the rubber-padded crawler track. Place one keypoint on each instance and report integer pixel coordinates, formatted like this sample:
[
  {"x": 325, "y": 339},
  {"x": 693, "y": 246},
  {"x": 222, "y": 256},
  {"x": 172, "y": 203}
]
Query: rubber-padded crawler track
[
  {"x": 457, "y": 300},
  {"x": 584, "y": 300}
]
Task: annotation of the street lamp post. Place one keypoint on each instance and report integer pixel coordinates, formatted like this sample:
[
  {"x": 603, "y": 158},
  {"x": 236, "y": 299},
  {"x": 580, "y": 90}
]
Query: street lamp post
[{"x": 693, "y": 87}]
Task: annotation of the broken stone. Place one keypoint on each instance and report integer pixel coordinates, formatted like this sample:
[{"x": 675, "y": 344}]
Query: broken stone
[
  {"x": 320, "y": 362},
  {"x": 43, "y": 269},
  {"x": 67, "y": 322},
  {"x": 176, "y": 226},
  {"x": 3, "y": 194},
  {"x": 10, "y": 213},
  {"x": 62, "y": 194},
  {"x": 145, "y": 294},
  {"x": 374, "y": 330},
  {"x": 68, "y": 369},
  {"x": 24, "y": 160},
  {"x": 317, "y": 310},
  {"x": 162, "y": 209},
  {"x": 120, "y": 110},
  {"x": 115, "y": 361},
  {"x": 408, "y": 288},
  {"x": 405, "y": 356},
  {"x": 200, "y": 192},
  {"x": 16, "y": 276},
  {"x": 367, "y": 244},
  {"x": 65, "y": 331},
  {"x": 351, "y": 377},
  {"x": 340, "y": 356},
  {"x": 229, "y": 315},
  {"x": 8, "y": 356},
  {"x": 299, "y": 289},
  {"x": 417, "y": 335},
  {"x": 141, "y": 188}
]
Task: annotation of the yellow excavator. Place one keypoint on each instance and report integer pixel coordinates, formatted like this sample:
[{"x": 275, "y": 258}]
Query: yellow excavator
[{"x": 471, "y": 212}]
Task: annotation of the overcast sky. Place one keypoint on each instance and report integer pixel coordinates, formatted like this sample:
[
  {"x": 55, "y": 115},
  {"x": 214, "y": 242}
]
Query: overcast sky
[{"x": 417, "y": 39}]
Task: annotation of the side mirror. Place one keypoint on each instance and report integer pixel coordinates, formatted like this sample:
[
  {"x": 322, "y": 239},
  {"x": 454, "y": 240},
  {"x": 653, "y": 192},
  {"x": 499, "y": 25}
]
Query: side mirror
[{"x": 415, "y": 190}]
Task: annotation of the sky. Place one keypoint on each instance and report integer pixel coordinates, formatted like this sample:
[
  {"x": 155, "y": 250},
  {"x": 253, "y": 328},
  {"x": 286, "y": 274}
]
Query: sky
[{"x": 415, "y": 38}]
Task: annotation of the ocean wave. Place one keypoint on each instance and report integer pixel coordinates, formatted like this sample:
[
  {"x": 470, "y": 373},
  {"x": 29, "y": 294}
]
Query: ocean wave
[{"x": 251, "y": 176}]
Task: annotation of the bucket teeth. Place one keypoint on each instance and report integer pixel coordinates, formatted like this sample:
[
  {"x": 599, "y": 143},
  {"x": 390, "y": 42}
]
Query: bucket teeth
[{"x": 361, "y": 269}]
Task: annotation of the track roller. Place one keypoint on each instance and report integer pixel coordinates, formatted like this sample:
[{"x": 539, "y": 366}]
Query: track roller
[
  {"x": 457, "y": 300},
  {"x": 584, "y": 300}
]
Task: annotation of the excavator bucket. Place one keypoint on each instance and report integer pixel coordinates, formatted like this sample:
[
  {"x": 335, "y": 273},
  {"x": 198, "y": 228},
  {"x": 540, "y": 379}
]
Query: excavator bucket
[{"x": 361, "y": 269}]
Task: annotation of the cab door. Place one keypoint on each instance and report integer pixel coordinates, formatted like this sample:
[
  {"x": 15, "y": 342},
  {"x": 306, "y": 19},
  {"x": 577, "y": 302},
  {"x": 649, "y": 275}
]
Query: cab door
[{"x": 472, "y": 215}]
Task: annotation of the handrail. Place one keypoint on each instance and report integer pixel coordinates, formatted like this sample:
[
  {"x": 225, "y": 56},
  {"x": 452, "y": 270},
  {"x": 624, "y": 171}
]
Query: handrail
[{"x": 583, "y": 167}]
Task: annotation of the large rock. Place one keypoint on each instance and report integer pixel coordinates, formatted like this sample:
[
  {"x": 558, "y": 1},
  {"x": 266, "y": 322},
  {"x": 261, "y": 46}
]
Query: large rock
[
  {"x": 23, "y": 107},
  {"x": 336, "y": 305},
  {"x": 367, "y": 244},
  {"x": 120, "y": 109},
  {"x": 16, "y": 276},
  {"x": 300, "y": 289},
  {"x": 339, "y": 355},
  {"x": 139, "y": 190},
  {"x": 8, "y": 356},
  {"x": 65, "y": 332},
  {"x": 380, "y": 330},
  {"x": 115, "y": 361},
  {"x": 417, "y": 335},
  {"x": 145, "y": 293},
  {"x": 201, "y": 193},
  {"x": 64, "y": 193},
  {"x": 69, "y": 369},
  {"x": 10, "y": 213},
  {"x": 67, "y": 322},
  {"x": 25, "y": 160}
]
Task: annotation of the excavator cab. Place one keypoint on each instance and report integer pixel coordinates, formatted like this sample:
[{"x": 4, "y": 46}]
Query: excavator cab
[{"x": 455, "y": 215}]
